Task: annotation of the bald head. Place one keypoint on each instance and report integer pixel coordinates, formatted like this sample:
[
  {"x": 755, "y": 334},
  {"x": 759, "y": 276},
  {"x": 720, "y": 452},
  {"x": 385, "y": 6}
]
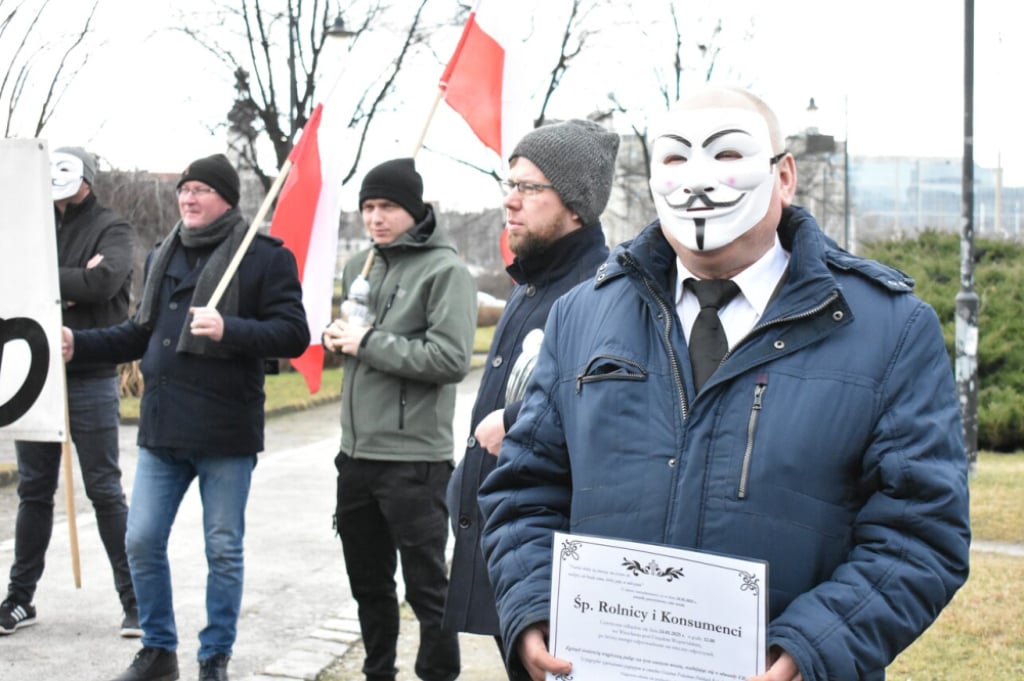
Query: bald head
[{"x": 727, "y": 97}]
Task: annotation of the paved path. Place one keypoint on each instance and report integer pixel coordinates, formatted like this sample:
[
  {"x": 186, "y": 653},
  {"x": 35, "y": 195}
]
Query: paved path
[{"x": 297, "y": 612}]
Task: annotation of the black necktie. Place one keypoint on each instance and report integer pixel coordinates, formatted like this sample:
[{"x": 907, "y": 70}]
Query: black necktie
[{"x": 708, "y": 343}]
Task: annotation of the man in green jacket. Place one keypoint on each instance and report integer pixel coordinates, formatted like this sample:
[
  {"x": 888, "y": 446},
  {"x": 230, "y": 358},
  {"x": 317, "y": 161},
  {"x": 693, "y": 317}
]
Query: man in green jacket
[{"x": 404, "y": 355}]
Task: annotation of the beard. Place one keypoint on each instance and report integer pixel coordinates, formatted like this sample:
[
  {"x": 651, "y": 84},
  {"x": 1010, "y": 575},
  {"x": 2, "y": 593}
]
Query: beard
[
  {"x": 528, "y": 246},
  {"x": 535, "y": 241}
]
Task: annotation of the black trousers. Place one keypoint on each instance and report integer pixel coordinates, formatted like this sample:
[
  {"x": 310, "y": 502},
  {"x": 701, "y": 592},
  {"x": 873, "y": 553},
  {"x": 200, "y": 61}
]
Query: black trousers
[
  {"x": 93, "y": 417},
  {"x": 388, "y": 510}
]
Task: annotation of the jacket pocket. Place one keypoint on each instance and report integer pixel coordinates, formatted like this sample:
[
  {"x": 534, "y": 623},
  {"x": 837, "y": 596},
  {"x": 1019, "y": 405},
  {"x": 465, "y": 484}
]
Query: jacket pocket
[
  {"x": 610, "y": 368},
  {"x": 748, "y": 450}
]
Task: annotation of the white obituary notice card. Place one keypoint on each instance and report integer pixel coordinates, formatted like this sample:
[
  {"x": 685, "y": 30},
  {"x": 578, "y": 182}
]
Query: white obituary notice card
[{"x": 626, "y": 610}]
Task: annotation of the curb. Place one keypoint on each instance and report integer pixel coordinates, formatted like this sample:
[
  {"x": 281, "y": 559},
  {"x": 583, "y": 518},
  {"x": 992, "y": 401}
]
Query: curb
[{"x": 308, "y": 657}]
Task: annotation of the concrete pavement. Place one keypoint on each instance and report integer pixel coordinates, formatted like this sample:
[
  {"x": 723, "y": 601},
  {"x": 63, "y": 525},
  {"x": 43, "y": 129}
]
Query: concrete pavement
[{"x": 297, "y": 617}]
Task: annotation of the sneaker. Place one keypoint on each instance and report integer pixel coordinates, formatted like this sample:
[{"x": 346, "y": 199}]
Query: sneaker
[
  {"x": 152, "y": 664},
  {"x": 214, "y": 668},
  {"x": 130, "y": 624},
  {"x": 13, "y": 616}
]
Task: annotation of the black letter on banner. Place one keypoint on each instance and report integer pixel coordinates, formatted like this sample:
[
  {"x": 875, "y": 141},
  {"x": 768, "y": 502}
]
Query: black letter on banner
[{"x": 28, "y": 330}]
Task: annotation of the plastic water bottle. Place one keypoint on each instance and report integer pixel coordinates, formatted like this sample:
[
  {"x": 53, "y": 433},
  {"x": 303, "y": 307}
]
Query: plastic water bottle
[{"x": 356, "y": 307}]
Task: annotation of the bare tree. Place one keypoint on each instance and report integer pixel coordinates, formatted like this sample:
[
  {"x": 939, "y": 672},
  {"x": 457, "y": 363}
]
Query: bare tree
[
  {"x": 574, "y": 39},
  {"x": 276, "y": 58},
  {"x": 31, "y": 62}
]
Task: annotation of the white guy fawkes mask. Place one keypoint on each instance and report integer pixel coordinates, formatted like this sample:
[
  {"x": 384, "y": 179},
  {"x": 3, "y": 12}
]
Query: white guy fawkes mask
[
  {"x": 65, "y": 174},
  {"x": 711, "y": 175}
]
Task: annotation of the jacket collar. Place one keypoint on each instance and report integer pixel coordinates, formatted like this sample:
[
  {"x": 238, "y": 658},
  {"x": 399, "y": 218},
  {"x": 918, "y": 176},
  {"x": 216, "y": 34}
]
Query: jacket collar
[
  {"x": 425, "y": 234},
  {"x": 558, "y": 259},
  {"x": 809, "y": 280},
  {"x": 73, "y": 210}
]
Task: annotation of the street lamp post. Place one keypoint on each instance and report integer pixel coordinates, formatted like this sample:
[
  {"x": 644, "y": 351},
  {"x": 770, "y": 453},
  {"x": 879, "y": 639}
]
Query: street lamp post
[
  {"x": 846, "y": 173},
  {"x": 821, "y": 148},
  {"x": 967, "y": 298}
]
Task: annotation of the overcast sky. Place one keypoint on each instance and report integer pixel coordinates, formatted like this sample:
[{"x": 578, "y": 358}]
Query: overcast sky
[{"x": 893, "y": 67}]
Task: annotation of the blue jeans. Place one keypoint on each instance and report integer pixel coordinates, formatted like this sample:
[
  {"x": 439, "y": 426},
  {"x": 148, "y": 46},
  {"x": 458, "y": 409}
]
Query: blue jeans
[
  {"x": 93, "y": 417},
  {"x": 161, "y": 479}
]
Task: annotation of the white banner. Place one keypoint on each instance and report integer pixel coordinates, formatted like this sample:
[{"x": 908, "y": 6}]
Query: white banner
[{"x": 31, "y": 369}]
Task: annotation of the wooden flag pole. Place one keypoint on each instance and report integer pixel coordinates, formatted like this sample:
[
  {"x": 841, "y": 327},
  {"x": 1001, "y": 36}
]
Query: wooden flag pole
[
  {"x": 426, "y": 126},
  {"x": 236, "y": 260},
  {"x": 69, "y": 493}
]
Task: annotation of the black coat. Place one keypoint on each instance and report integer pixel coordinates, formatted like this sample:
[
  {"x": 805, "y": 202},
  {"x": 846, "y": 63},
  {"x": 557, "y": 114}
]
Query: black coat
[
  {"x": 569, "y": 261},
  {"x": 210, "y": 405},
  {"x": 94, "y": 297}
]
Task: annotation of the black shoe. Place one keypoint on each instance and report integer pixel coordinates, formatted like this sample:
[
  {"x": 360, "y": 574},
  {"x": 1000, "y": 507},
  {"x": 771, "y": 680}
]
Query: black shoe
[
  {"x": 214, "y": 668},
  {"x": 152, "y": 664},
  {"x": 13, "y": 616},
  {"x": 130, "y": 624}
]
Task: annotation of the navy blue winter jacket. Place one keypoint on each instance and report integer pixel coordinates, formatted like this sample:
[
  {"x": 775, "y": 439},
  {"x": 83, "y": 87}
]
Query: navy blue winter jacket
[
  {"x": 827, "y": 444},
  {"x": 541, "y": 281}
]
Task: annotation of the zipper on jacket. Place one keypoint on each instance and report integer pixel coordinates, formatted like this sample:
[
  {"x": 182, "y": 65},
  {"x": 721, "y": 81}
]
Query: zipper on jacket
[
  {"x": 402, "y": 399},
  {"x": 755, "y": 410},
  {"x": 388, "y": 304},
  {"x": 677, "y": 375}
]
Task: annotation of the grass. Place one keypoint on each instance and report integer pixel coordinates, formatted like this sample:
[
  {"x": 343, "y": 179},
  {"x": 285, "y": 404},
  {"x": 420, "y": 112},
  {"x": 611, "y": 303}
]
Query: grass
[
  {"x": 997, "y": 491},
  {"x": 979, "y": 634},
  {"x": 482, "y": 342}
]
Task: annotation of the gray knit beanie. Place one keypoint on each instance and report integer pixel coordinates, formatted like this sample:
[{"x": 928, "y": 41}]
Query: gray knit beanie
[
  {"x": 578, "y": 158},
  {"x": 88, "y": 162}
]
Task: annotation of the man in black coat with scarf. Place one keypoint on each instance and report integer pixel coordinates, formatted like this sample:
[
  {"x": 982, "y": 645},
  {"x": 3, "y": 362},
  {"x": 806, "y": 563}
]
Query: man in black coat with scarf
[
  {"x": 202, "y": 413},
  {"x": 560, "y": 178}
]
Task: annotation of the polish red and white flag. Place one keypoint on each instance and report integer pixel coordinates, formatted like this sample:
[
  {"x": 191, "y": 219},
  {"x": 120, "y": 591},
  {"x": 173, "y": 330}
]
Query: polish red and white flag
[
  {"x": 306, "y": 219},
  {"x": 484, "y": 82}
]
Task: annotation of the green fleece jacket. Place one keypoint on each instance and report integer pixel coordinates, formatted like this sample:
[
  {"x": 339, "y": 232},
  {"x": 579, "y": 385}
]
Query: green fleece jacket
[{"x": 398, "y": 392}]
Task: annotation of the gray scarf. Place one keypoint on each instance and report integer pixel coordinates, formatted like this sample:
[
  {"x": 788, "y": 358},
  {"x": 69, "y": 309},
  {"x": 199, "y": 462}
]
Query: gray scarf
[{"x": 225, "y": 234}]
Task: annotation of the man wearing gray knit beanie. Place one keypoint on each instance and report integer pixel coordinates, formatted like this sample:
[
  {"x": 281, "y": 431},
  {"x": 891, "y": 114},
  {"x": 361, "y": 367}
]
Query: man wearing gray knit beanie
[
  {"x": 578, "y": 159},
  {"x": 560, "y": 177}
]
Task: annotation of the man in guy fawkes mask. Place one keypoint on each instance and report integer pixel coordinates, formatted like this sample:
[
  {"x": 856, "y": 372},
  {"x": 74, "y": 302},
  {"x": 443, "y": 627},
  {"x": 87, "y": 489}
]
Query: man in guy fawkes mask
[
  {"x": 712, "y": 182},
  {"x": 95, "y": 256},
  {"x": 733, "y": 382}
]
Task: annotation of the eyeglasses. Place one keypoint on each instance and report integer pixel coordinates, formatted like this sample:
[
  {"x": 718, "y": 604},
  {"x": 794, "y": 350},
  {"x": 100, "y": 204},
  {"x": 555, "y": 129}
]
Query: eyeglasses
[
  {"x": 525, "y": 188},
  {"x": 196, "y": 191}
]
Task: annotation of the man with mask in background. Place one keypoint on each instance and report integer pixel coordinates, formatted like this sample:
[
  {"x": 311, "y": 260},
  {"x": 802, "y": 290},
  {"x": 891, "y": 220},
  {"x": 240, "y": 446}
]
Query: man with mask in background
[{"x": 95, "y": 253}]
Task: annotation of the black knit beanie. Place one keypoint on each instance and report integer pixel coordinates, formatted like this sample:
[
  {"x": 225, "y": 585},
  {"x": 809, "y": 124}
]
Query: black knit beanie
[
  {"x": 396, "y": 180},
  {"x": 578, "y": 158},
  {"x": 217, "y": 172}
]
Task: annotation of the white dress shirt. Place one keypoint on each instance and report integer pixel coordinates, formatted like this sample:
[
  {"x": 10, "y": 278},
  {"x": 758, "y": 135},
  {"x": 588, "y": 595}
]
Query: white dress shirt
[{"x": 757, "y": 283}]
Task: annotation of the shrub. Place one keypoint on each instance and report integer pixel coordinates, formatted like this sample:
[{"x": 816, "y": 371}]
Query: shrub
[{"x": 933, "y": 259}]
